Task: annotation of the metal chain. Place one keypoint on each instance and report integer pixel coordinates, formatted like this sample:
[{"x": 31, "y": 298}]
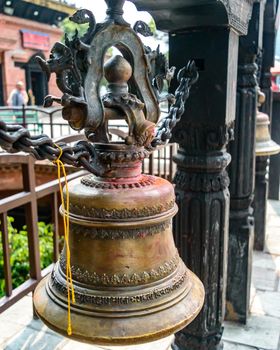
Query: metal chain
[
  {"x": 186, "y": 77},
  {"x": 15, "y": 138}
]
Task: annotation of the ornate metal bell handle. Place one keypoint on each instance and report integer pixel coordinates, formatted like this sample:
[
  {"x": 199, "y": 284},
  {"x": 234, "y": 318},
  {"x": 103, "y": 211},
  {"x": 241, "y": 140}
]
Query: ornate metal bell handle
[{"x": 15, "y": 138}]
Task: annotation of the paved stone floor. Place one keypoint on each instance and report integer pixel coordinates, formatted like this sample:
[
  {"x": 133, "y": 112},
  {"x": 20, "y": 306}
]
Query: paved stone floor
[{"x": 19, "y": 331}]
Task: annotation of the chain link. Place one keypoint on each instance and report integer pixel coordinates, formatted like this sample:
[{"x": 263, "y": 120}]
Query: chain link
[
  {"x": 15, "y": 138},
  {"x": 186, "y": 77}
]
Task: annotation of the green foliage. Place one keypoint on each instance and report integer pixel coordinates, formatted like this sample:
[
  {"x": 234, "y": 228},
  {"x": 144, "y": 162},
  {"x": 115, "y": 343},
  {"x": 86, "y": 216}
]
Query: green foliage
[
  {"x": 152, "y": 25},
  {"x": 70, "y": 27},
  {"x": 18, "y": 244},
  {"x": 158, "y": 35},
  {"x": 109, "y": 52}
]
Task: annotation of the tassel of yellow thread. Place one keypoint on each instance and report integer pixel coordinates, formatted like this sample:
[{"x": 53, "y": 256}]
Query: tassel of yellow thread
[{"x": 65, "y": 208}]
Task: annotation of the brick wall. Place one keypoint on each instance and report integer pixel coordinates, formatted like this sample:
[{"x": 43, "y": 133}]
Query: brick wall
[{"x": 11, "y": 50}]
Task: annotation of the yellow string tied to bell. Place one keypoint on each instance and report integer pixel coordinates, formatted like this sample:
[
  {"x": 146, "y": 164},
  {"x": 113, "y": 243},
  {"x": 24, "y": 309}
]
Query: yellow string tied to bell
[{"x": 65, "y": 208}]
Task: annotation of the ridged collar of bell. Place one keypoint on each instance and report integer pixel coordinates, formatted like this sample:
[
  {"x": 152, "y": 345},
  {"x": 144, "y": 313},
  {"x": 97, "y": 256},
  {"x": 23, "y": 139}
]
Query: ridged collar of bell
[{"x": 135, "y": 87}]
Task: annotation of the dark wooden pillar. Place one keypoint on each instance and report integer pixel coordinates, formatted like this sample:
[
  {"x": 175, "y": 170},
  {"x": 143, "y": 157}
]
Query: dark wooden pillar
[
  {"x": 201, "y": 227},
  {"x": 267, "y": 61},
  {"x": 208, "y": 33},
  {"x": 242, "y": 172},
  {"x": 260, "y": 201}
]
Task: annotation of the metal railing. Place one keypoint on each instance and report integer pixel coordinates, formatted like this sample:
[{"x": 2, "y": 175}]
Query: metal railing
[
  {"x": 38, "y": 120},
  {"x": 160, "y": 162}
]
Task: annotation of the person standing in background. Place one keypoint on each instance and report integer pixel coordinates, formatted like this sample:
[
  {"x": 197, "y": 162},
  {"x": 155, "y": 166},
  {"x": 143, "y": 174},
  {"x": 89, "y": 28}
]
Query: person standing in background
[{"x": 18, "y": 96}]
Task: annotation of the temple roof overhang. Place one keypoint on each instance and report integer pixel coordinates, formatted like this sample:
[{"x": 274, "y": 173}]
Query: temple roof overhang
[
  {"x": 182, "y": 14},
  {"x": 43, "y": 11}
]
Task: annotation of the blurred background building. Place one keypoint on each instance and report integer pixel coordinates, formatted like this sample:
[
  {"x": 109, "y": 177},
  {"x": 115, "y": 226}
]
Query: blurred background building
[{"x": 28, "y": 28}]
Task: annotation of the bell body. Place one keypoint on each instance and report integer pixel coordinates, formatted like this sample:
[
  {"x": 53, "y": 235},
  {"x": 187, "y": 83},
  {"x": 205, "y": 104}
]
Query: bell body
[
  {"x": 130, "y": 284},
  {"x": 265, "y": 146}
]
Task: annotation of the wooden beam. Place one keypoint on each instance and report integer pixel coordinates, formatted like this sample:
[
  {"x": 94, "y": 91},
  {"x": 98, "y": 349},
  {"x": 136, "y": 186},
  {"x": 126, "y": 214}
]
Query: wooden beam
[{"x": 54, "y": 5}]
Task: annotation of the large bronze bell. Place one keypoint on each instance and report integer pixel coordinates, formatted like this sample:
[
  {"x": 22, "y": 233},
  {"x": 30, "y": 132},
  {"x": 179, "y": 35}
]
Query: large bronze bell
[
  {"x": 130, "y": 284},
  {"x": 265, "y": 146}
]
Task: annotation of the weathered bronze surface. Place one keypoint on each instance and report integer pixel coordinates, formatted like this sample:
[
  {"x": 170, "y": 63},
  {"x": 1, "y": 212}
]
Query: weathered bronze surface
[
  {"x": 265, "y": 146},
  {"x": 130, "y": 284}
]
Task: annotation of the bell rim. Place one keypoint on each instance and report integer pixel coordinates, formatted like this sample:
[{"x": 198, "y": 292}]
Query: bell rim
[
  {"x": 180, "y": 275},
  {"x": 193, "y": 308},
  {"x": 269, "y": 148}
]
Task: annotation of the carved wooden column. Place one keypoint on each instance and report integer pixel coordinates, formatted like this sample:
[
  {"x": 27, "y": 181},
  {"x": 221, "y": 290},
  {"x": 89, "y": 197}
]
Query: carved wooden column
[
  {"x": 242, "y": 172},
  {"x": 201, "y": 228},
  {"x": 207, "y": 33},
  {"x": 261, "y": 188},
  {"x": 260, "y": 201}
]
